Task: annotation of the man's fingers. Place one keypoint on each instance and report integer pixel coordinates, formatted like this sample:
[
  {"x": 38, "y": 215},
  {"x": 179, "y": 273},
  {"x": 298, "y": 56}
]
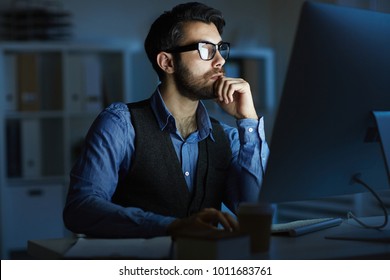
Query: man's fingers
[
  {"x": 232, "y": 221},
  {"x": 208, "y": 218},
  {"x": 225, "y": 88},
  {"x": 213, "y": 216}
]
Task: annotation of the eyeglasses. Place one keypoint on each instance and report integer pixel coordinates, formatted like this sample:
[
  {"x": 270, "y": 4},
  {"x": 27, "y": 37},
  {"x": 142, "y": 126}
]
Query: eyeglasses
[{"x": 207, "y": 50}]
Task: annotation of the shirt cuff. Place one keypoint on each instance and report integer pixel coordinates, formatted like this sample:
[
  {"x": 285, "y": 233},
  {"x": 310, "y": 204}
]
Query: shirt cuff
[{"x": 247, "y": 129}]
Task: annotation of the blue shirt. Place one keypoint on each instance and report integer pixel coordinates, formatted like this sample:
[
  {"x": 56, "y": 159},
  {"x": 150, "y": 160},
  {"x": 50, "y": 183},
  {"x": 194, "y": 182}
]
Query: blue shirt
[{"x": 108, "y": 154}]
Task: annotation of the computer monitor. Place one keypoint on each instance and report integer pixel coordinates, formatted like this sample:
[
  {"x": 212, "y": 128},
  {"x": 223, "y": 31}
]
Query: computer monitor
[{"x": 324, "y": 132}]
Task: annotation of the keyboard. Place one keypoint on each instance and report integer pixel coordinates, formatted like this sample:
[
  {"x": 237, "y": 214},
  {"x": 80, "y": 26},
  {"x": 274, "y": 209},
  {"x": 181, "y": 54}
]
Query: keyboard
[{"x": 300, "y": 227}]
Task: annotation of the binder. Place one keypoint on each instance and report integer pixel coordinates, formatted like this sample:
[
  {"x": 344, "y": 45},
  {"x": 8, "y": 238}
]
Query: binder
[
  {"x": 10, "y": 82},
  {"x": 93, "y": 83},
  {"x": 50, "y": 81},
  {"x": 31, "y": 148},
  {"x": 14, "y": 168},
  {"x": 74, "y": 82},
  {"x": 28, "y": 82}
]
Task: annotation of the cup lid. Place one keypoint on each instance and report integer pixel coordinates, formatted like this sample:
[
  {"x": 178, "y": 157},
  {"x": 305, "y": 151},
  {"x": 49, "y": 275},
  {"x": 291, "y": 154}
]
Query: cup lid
[{"x": 255, "y": 207}]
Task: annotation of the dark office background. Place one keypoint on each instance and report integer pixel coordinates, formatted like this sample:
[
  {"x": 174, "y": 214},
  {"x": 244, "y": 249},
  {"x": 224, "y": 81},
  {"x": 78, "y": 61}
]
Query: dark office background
[{"x": 250, "y": 24}]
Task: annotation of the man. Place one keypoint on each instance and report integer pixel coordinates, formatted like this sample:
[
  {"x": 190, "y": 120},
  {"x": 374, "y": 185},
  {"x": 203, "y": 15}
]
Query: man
[{"x": 162, "y": 165}]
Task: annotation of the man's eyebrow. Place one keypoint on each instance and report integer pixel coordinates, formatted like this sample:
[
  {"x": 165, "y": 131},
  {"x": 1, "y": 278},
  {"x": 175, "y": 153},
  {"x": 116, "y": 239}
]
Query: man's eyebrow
[{"x": 207, "y": 41}]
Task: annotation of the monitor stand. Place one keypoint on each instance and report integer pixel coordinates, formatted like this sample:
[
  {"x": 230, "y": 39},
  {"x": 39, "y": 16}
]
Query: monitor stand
[
  {"x": 383, "y": 123},
  {"x": 354, "y": 231}
]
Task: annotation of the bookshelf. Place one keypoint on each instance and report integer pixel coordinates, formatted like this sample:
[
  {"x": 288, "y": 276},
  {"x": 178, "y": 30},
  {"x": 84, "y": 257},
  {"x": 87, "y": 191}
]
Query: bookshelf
[{"x": 50, "y": 93}]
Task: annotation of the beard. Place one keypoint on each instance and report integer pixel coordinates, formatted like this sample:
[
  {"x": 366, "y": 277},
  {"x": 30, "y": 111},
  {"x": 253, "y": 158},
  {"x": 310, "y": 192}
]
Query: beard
[{"x": 193, "y": 87}]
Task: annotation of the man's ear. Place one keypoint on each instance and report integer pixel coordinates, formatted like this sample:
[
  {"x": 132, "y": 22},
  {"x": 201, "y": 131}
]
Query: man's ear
[{"x": 165, "y": 61}]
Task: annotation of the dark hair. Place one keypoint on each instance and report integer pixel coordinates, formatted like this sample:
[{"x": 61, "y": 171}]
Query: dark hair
[{"x": 167, "y": 30}]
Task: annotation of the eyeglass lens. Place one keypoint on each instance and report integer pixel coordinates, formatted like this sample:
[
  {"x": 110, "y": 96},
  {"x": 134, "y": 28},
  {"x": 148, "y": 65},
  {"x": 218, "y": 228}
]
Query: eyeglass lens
[{"x": 207, "y": 50}]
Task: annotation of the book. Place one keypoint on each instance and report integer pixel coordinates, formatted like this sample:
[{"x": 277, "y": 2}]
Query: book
[
  {"x": 14, "y": 168},
  {"x": 74, "y": 82},
  {"x": 84, "y": 82},
  {"x": 93, "y": 83},
  {"x": 212, "y": 245},
  {"x": 10, "y": 82},
  {"x": 28, "y": 82},
  {"x": 50, "y": 81},
  {"x": 31, "y": 148}
]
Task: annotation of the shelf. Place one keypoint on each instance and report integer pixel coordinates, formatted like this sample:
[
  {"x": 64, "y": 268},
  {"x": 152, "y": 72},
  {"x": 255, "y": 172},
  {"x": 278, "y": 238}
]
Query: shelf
[
  {"x": 62, "y": 46},
  {"x": 34, "y": 147},
  {"x": 50, "y": 93},
  {"x": 34, "y": 115},
  {"x": 38, "y": 181}
]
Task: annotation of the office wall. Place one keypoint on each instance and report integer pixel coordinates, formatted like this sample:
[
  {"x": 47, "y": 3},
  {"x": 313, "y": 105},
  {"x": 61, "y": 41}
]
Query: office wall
[
  {"x": 268, "y": 23},
  {"x": 250, "y": 23},
  {"x": 130, "y": 20}
]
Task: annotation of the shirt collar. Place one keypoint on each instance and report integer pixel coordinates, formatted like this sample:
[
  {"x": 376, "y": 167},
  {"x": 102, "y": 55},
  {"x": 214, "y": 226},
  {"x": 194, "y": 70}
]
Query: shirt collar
[{"x": 166, "y": 120}]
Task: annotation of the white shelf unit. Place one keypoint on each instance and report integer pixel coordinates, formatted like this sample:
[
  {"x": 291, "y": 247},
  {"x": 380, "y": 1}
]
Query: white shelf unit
[{"x": 50, "y": 92}]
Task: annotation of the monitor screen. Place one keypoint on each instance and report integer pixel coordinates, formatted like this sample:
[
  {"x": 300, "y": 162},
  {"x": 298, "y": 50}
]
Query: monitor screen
[{"x": 325, "y": 132}]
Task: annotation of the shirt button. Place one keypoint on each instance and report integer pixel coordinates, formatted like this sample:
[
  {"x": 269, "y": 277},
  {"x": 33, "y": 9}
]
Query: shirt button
[
  {"x": 187, "y": 173},
  {"x": 250, "y": 129}
]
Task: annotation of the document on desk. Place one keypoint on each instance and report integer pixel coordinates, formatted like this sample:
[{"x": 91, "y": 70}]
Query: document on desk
[{"x": 132, "y": 248}]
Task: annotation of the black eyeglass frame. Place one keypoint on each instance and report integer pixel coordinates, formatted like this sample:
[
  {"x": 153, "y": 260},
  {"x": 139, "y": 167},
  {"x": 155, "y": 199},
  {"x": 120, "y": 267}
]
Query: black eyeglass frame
[{"x": 199, "y": 45}]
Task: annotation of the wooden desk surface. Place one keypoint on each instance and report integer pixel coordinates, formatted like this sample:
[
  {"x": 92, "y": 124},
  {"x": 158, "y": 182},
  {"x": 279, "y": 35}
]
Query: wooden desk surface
[{"x": 310, "y": 246}]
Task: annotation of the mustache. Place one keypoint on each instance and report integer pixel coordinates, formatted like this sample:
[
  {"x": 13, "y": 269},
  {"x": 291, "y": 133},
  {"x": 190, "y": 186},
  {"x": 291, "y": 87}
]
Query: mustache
[{"x": 215, "y": 72}]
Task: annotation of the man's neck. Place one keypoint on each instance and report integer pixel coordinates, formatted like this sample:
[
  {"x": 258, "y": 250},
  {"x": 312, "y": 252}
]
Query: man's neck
[
  {"x": 186, "y": 126},
  {"x": 182, "y": 109}
]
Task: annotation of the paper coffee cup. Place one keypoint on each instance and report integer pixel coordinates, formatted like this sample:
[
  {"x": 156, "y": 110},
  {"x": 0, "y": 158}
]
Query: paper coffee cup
[{"x": 255, "y": 219}]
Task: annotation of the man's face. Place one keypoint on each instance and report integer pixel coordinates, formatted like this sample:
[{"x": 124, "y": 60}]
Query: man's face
[{"x": 193, "y": 76}]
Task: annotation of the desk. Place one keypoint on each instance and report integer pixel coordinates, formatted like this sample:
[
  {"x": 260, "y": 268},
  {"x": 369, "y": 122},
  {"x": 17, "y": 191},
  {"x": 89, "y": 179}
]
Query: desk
[
  {"x": 310, "y": 246},
  {"x": 316, "y": 246}
]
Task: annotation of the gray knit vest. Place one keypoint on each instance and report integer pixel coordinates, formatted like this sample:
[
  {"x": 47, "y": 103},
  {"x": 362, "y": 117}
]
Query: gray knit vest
[{"x": 156, "y": 182}]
